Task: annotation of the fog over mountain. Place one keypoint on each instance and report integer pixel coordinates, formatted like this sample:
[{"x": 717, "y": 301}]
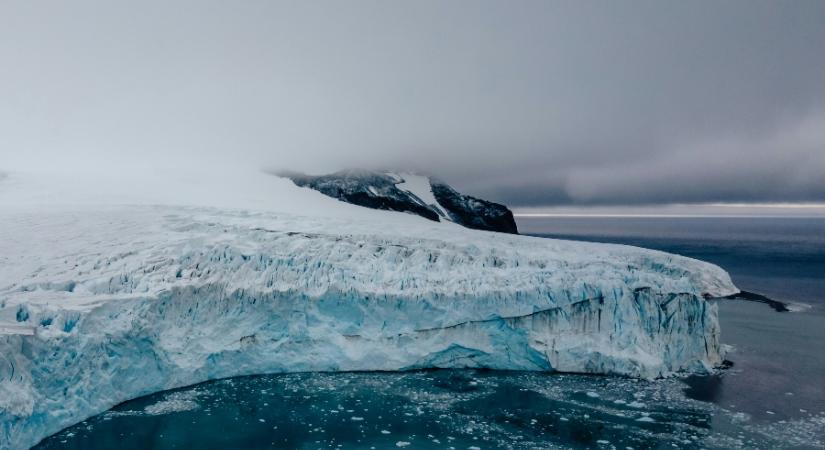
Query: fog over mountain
[{"x": 531, "y": 103}]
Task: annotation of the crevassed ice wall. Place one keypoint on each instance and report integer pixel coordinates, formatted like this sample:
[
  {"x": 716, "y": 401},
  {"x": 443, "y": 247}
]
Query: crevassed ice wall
[
  {"x": 144, "y": 301},
  {"x": 122, "y": 351}
]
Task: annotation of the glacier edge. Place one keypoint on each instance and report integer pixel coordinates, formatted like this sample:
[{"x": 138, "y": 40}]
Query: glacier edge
[{"x": 176, "y": 299}]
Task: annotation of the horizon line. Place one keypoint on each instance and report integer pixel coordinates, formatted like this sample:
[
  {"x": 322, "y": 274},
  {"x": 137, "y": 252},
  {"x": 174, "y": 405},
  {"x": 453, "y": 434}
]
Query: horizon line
[{"x": 697, "y": 216}]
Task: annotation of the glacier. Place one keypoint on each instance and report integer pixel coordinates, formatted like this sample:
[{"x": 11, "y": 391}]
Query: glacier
[{"x": 106, "y": 295}]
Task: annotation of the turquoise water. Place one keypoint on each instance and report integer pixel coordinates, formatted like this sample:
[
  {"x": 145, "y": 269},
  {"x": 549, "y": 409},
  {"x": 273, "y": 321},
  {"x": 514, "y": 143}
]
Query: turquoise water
[{"x": 772, "y": 397}]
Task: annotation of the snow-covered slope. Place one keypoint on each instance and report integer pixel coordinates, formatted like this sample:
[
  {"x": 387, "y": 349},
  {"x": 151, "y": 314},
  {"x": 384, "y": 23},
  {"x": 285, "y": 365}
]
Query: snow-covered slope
[
  {"x": 419, "y": 186},
  {"x": 109, "y": 291}
]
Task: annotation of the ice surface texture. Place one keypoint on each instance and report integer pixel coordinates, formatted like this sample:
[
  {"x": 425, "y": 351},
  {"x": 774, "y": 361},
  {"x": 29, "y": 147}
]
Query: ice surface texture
[{"x": 99, "y": 305}]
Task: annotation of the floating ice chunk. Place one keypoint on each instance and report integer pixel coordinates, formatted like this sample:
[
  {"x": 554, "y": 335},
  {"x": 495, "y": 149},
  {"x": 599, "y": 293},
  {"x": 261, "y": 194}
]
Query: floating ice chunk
[{"x": 175, "y": 402}]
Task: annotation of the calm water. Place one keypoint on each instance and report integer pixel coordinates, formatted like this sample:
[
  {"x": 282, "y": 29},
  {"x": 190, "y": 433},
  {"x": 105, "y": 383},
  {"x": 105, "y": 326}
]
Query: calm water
[{"x": 773, "y": 397}]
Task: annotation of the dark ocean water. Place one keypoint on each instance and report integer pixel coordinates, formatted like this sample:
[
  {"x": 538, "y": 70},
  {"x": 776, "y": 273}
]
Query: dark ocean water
[
  {"x": 779, "y": 358},
  {"x": 773, "y": 396}
]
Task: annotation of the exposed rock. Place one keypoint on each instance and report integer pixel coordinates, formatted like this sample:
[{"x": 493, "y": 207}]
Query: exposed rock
[
  {"x": 433, "y": 200},
  {"x": 473, "y": 212}
]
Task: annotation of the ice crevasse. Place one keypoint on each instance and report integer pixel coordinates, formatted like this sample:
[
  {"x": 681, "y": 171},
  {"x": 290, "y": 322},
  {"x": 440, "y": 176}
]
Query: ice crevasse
[{"x": 101, "y": 304}]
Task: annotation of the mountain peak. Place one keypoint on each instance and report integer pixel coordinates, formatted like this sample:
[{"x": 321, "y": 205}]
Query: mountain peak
[{"x": 423, "y": 195}]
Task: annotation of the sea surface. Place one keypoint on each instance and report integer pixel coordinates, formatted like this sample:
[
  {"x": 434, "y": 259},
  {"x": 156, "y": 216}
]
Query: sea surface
[{"x": 772, "y": 397}]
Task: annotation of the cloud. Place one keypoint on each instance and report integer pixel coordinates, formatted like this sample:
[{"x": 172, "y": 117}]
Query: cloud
[
  {"x": 539, "y": 102},
  {"x": 785, "y": 164}
]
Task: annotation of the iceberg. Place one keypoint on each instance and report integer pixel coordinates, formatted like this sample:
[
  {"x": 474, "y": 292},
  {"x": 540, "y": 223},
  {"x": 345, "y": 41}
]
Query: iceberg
[{"x": 103, "y": 301}]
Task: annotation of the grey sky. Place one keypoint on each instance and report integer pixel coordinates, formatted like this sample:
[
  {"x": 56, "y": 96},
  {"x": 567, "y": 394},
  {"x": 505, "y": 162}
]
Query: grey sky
[{"x": 531, "y": 103}]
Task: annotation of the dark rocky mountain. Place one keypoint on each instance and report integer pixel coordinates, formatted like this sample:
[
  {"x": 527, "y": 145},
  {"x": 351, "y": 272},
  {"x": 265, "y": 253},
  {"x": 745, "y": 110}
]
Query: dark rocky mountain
[
  {"x": 473, "y": 212},
  {"x": 425, "y": 196}
]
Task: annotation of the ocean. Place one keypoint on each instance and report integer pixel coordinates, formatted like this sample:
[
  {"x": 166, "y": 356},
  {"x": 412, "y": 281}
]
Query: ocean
[{"x": 771, "y": 397}]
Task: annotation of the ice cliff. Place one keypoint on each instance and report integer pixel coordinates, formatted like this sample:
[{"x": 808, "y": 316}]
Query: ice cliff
[{"x": 101, "y": 303}]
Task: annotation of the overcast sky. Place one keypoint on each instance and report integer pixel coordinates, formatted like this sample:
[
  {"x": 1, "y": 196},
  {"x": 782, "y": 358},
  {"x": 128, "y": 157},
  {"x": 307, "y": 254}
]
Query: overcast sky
[{"x": 530, "y": 103}]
